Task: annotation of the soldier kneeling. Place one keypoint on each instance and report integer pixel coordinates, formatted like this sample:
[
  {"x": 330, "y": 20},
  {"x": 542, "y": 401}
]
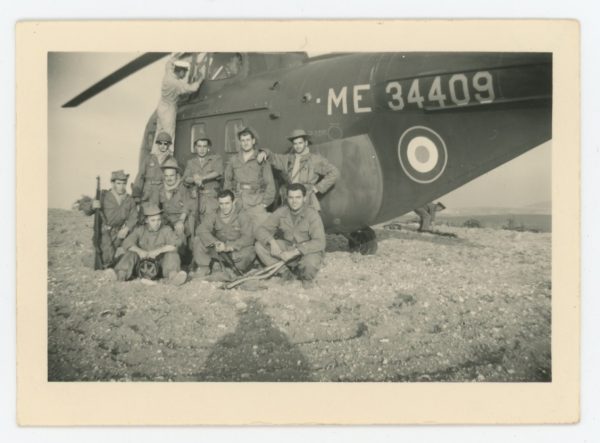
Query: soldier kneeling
[
  {"x": 153, "y": 241},
  {"x": 226, "y": 231},
  {"x": 302, "y": 245}
]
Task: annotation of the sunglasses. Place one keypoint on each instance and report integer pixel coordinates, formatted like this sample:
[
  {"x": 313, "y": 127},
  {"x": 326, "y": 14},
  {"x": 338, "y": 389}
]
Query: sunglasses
[{"x": 164, "y": 143}]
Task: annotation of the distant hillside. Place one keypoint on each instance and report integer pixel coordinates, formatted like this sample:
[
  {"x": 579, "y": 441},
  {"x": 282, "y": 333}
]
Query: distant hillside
[
  {"x": 544, "y": 208},
  {"x": 514, "y": 221}
]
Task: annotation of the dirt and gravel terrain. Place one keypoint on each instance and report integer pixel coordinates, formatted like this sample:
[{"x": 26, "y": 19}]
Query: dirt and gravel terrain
[{"x": 425, "y": 308}]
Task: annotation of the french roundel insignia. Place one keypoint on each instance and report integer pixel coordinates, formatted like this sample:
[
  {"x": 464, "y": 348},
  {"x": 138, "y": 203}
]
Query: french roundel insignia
[{"x": 422, "y": 153}]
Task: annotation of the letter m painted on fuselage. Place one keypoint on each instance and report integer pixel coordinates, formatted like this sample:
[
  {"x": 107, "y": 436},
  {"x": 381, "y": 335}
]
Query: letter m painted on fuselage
[{"x": 334, "y": 100}]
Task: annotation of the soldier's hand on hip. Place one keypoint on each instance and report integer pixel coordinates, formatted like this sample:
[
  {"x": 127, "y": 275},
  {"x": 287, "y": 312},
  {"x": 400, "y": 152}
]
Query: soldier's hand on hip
[
  {"x": 261, "y": 156},
  {"x": 96, "y": 204}
]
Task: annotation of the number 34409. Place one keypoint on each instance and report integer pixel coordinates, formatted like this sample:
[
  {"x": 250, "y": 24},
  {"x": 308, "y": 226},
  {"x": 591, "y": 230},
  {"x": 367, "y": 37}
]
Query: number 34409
[{"x": 441, "y": 91}]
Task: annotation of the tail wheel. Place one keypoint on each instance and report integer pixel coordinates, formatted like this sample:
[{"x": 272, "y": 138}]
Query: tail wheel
[{"x": 364, "y": 241}]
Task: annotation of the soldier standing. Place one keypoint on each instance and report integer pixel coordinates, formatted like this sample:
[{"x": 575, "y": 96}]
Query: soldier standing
[
  {"x": 251, "y": 182},
  {"x": 427, "y": 215},
  {"x": 228, "y": 230},
  {"x": 204, "y": 172},
  {"x": 303, "y": 237},
  {"x": 153, "y": 241},
  {"x": 119, "y": 216},
  {"x": 150, "y": 175},
  {"x": 174, "y": 84},
  {"x": 310, "y": 169}
]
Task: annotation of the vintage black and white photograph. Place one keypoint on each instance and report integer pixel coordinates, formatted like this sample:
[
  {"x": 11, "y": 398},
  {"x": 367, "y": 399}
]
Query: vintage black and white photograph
[{"x": 299, "y": 217}]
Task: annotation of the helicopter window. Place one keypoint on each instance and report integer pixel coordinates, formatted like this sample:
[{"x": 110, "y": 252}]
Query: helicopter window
[
  {"x": 197, "y": 129},
  {"x": 224, "y": 65},
  {"x": 232, "y": 127}
]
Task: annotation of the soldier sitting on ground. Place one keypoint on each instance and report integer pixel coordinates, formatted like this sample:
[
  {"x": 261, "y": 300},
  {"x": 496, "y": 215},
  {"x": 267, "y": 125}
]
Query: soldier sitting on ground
[
  {"x": 312, "y": 170},
  {"x": 228, "y": 231},
  {"x": 427, "y": 215},
  {"x": 152, "y": 241},
  {"x": 303, "y": 238}
]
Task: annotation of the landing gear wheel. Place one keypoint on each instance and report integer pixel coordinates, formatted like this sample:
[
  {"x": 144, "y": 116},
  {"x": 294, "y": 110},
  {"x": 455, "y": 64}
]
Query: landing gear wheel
[{"x": 364, "y": 241}]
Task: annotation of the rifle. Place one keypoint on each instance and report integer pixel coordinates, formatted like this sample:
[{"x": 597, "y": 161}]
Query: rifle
[
  {"x": 254, "y": 274},
  {"x": 97, "y": 238},
  {"x": 225, "y": 259}
]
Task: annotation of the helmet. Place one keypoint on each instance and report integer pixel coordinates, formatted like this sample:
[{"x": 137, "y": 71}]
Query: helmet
[{"x": 148, "y": 268}]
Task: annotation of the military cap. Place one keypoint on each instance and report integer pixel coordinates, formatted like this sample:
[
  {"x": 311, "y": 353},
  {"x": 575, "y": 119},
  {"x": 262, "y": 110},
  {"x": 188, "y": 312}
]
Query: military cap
[
  {"x": 248, "y": 130},
  {"x": 164, "y": 137},
  {"x": 151, "y": 209},
  {"x": 118, "y": 175},
  {"x": 181, "y": 64},
  {"x": 296, "y": 133},
  {"x": 202, "y": 136},
  {"x": 170, "y": 163}
]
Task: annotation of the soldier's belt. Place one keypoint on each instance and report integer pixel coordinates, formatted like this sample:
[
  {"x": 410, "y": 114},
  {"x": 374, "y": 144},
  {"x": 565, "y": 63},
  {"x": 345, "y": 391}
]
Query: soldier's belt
[{"x": 248, "y": 187}]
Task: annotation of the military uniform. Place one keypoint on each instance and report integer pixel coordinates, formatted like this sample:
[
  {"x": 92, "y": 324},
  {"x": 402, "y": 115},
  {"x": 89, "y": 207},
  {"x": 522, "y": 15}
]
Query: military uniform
[
  {"x": 252, "y": 184},
  {"x": 178, "y": 205},
  {"x": 172, "y": 87},
  {"x": 203, "y": 166},
  {"x": 150, "y": 176},
  {"x": 119, "y": 211},
  {"x": 147, "y": 240},
  {"x": 303, "y": 231},
  {"x": 235, "y": 230},
  {"x": 310, "y": 168}
]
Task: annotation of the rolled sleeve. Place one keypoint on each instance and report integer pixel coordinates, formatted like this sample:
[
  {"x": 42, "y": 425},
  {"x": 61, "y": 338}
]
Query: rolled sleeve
[{"x": 329, "y": 172}]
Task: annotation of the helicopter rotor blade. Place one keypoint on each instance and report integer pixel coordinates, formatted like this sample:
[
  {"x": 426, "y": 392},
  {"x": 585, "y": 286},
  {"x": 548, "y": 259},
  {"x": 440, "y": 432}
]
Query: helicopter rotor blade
[{"x": 133, "y": 66}]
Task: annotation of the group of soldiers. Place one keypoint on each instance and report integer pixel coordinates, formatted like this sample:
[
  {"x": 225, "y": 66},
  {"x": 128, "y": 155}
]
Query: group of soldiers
[{"x": 211, "y": 209}]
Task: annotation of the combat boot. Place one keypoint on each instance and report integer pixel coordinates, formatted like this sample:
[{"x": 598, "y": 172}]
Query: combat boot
[{"x": 177, "y": 278}]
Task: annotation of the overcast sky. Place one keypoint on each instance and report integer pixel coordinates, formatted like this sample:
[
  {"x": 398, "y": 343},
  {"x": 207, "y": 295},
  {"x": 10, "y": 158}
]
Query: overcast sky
[{"x": 104, "y": 134}]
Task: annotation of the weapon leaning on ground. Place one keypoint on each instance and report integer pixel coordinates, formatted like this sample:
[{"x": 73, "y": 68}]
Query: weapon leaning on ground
[
  {"x": 97, "y": 238},
  {"x": 255, "y": 274}
]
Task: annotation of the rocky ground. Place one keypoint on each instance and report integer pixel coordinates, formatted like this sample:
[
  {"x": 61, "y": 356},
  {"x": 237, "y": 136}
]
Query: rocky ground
[{"x": 424, "y": 308}]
